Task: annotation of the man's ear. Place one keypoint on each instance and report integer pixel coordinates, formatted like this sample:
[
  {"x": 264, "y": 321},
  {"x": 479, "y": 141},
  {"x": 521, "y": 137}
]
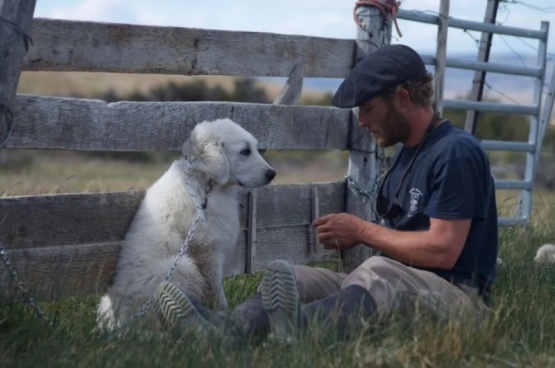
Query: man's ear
[{"x": 401, "y": 99}]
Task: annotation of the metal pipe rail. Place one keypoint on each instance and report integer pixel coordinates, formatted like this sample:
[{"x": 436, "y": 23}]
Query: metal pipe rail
[
  {"x": 491, "y": 106},
  {"x": 486, "y": 66},
  {"x": 421, "y": 17}
]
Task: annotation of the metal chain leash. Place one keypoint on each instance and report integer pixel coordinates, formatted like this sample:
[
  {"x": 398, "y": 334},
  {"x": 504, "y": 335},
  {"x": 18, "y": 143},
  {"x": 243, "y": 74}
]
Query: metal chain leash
[
  {"x": 198, "y": 218},
  {"x": 374, "y": 183},
  {"x": 142, "y": 311},
  {"x": 180, "y": 254},
  {"x": 15, "y": 277}
]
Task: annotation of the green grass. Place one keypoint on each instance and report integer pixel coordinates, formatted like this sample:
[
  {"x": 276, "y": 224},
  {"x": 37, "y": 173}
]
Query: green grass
[
  {"x": 520, "y": 332},
  {"x": 53, "y": 172}
]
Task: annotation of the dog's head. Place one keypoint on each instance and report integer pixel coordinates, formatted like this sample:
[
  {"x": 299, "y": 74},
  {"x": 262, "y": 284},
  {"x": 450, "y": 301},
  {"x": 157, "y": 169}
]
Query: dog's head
[{"x": 228, "y": 154}]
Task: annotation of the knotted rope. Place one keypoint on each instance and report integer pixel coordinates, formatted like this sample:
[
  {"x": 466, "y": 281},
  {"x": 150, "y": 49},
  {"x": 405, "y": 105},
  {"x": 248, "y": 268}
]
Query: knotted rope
[{"x": 387, "y": 8}]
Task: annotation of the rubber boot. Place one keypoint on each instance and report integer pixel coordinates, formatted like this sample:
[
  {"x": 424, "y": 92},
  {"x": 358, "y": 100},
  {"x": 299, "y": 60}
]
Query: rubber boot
[
  {"x": 178, "y": 313},
  {"x": 341, "y": 311}
]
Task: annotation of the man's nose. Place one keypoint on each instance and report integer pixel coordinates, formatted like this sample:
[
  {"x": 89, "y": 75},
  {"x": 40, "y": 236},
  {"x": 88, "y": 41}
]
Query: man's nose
[{"x": 362, "y": 122}]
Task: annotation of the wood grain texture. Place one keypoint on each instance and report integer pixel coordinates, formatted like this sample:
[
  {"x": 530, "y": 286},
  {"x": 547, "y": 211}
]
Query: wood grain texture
[
  {"x": 441, "y": 55},
  {"x": 15, "y": 23},
  {"x": 64, "y": 219},
  {"x": 61, "y": 45},
  {"x": 54, "y": 272},
  {"x": 364, "y": 164},
  {"x": 67, "y": 219},
  {"x": 292, "y": 89},
  {"x": 79, "y": 124},
  {"x": 251, "y": 232},
  {"x": 79, "y": 270}
]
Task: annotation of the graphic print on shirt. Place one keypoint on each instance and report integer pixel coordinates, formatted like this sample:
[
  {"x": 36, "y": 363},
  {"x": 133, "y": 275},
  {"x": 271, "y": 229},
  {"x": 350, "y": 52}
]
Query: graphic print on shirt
[{"x": 415, "y": 195}]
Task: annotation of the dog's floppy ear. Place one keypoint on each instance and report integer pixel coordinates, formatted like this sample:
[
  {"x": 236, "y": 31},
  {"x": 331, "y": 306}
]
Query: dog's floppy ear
[{"x": 206, "y": 154}]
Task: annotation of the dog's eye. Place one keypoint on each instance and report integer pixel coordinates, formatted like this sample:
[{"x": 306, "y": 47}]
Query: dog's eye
[{"x": 245, "y": 152}]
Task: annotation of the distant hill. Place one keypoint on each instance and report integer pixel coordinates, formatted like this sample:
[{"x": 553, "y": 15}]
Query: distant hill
[
  {"x": 506, "y": 88},
  {"x": 89, "y": 85},
  {"x": 458, "y": 82}
]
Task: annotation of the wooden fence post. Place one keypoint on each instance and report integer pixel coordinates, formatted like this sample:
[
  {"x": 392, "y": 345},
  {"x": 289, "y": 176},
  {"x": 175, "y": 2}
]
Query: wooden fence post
[
  {"x": 364, "y": 157},
  {"x": 16, "y": 17},
  {"x": 441, "y": 55}
]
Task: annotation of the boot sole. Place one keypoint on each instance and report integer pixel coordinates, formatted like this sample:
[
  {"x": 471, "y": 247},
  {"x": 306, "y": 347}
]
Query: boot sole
[
  {"x": 174, "y": 308},
  {"x": 280, "y": 298}
]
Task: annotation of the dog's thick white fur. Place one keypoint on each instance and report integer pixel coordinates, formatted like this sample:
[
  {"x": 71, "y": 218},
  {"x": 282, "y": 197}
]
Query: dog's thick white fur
[
  {"x": 545, "y": 254},
  {"x": 220, "y": 154}
]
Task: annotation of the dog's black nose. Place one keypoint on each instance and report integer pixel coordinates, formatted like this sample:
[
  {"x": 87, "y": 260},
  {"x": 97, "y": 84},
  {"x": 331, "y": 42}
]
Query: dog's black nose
[{"x": 270, "y": 174}]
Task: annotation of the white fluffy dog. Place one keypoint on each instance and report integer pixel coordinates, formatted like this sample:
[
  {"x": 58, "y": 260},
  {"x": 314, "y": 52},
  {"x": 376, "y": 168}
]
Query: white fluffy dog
[
  {"x": 219, "y": 157},
  {"x": 545, "y": 254}
]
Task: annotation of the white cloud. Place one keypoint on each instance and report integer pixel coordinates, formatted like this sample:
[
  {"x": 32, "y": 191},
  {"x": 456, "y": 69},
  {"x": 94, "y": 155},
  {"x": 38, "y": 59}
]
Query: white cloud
[{"x": 95, "y": 10}]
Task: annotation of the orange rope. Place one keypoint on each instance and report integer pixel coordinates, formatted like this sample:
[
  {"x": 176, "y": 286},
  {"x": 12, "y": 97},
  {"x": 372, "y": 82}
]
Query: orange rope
[{"x": 386, "y": 8}]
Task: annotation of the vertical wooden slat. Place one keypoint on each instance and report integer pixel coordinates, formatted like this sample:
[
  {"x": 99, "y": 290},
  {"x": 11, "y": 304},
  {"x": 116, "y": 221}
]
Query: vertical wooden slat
[
  {"x": 16, "y": 17},
  {"x": 480, "y": 76},
  {"x": 291, "y": 91},
  {"x": 314, "y": 213},
  {"x": 364, "y": 155},
  {"x": 251, "y": 233},
  {"x": 441, "y": 55}
]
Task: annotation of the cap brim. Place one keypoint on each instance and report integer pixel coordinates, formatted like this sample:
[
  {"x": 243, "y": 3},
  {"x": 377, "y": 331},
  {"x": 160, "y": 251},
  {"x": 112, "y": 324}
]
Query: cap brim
[{"x": 345, "y": 96}]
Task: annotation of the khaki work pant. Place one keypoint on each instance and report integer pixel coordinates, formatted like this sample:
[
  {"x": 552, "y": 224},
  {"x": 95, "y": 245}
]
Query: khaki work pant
[{"x": 395, "y": 287}]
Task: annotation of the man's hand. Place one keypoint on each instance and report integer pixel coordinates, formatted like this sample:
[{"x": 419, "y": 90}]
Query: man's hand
[{"x": 339, "y": 230}]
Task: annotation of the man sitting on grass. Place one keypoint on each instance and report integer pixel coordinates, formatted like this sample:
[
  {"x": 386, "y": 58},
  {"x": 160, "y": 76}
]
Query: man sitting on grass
[{"x": 438, "y": 248}]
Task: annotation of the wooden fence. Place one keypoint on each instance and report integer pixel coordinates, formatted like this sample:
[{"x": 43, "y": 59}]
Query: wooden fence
[{"x": 67, "y": 245}]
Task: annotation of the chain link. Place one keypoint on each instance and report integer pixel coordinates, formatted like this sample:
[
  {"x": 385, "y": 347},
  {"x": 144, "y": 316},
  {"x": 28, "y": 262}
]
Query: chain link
[
  {"x": 142, "y": 311},
  {"x": 15, "y": 277},
  {"x": 374, "y": 183},
  {"x": 180, "y": 254}
]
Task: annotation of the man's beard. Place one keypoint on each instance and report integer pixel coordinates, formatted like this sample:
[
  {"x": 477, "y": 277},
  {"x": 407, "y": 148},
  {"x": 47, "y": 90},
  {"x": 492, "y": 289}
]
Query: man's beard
[{"x": 395, "y": 128}]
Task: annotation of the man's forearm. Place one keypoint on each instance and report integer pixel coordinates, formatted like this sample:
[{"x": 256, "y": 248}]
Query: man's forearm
[{"x": 417, "y": 248}]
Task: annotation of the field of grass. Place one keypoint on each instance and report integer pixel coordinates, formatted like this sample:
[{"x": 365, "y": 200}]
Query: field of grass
[{"x": 520, "y": 332}]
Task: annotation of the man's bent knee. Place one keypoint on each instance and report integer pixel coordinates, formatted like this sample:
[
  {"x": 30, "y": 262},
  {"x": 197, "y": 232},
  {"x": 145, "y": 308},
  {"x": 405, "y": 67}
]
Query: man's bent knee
[{"x": 314, "y": 283}]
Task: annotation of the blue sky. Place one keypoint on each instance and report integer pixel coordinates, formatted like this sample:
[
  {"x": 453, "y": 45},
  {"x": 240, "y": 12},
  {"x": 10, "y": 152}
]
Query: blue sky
[{"x": 324, "y": 18}]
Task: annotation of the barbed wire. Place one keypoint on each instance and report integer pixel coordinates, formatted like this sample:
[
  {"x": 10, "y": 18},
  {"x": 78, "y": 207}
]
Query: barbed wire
[
  {"x": 549, "y": 9},
  {"x": 504, "y": 7},
  {"x": 495, "y": 90}
]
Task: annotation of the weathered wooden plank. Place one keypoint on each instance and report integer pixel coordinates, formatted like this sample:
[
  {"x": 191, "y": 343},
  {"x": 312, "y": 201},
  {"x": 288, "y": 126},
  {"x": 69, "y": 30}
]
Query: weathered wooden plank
[
  {"x": 64, "y": 219},
  {"x": 51, "y": 220},
  {"x": 441, "y": 55},
  {"x": 251, "y": 232},
  {"x": 363, "y": 156},
  {"x": 61, "y": 45},
  {"x": 68, "y": 271},
  {"x": 15, "y": 24},
  {"x": 291, "y": 91},
  {"x": 477, "y": 90},
  {"x": 79, "y": 124},
  {"x": 290, "y": 204},
  {"x": 314, "y": 215}
]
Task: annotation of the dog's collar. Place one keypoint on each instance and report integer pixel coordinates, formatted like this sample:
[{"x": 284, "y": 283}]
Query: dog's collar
[
  {"x": 208, "y": 190},
  {"x": 208, "y": 187}
]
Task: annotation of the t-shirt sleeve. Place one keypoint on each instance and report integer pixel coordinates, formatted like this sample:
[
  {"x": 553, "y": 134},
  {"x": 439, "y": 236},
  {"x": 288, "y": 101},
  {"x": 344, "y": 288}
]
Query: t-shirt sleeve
[{"x": 458, "y": 190}]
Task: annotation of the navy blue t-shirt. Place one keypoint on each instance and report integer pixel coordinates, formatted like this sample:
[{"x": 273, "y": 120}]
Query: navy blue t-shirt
[{"x": 450, "y": 179}]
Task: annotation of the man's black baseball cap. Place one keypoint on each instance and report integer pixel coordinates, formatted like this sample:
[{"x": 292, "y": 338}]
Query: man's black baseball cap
[{"x": 379, "y": 71}]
